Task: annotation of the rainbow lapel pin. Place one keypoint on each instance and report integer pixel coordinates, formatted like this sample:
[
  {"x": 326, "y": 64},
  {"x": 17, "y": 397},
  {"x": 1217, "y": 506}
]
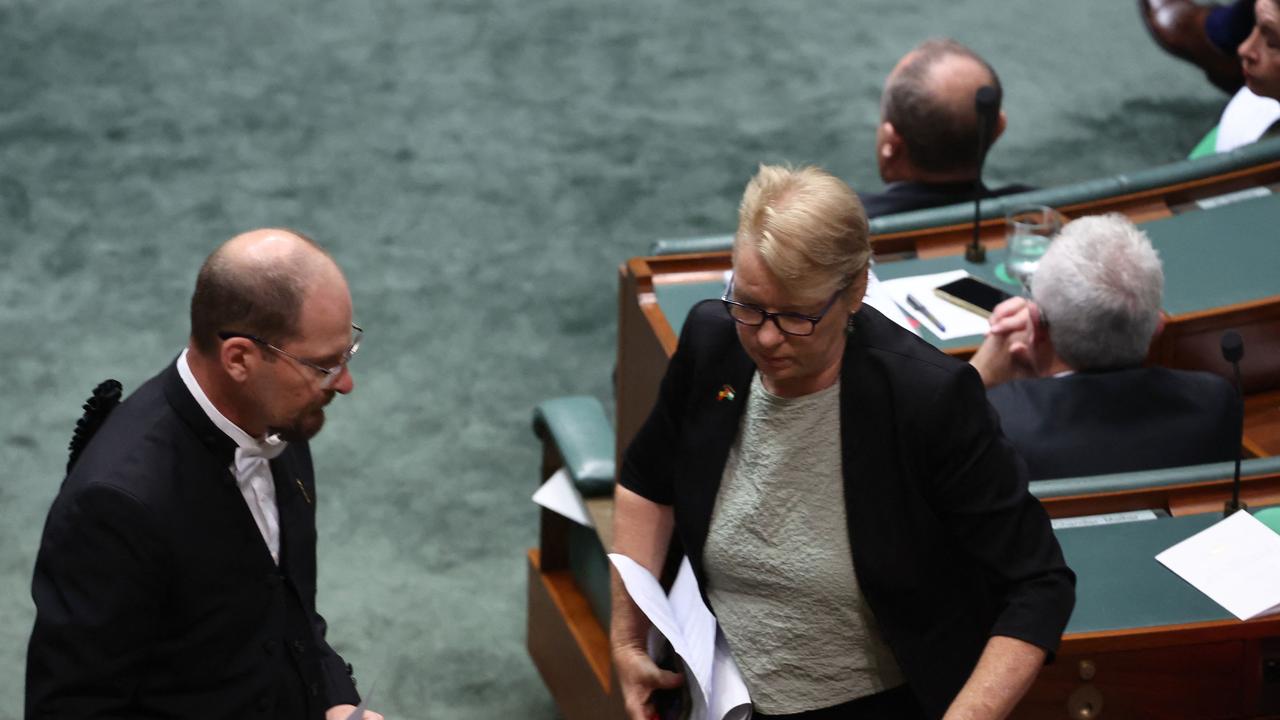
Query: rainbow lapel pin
[{"x": 726, "y": 393}]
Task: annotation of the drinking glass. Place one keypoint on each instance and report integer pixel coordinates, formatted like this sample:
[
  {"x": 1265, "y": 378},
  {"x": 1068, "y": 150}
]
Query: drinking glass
[{"x": 1029, "y": 230}]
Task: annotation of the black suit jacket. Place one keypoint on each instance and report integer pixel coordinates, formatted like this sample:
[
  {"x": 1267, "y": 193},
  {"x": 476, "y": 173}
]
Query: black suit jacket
[
  {"x": 948, "y": 546},
  {"x": 1093, "y": 423},
  {"x": 907, "y": 195},
  {"x": 155, "y": 594}
]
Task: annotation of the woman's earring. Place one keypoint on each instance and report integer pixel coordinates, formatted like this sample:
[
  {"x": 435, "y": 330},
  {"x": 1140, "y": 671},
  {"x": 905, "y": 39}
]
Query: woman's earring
[{"x": 848, "y": 326}]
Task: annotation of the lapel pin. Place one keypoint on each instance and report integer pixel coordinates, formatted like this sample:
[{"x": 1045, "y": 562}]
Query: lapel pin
[
  {"x": 726, "y": 393},
  {"x": 303, "y": 488}
]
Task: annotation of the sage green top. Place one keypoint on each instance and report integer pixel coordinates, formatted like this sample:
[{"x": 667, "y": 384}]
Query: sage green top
[{"x": 779, "y": 568}]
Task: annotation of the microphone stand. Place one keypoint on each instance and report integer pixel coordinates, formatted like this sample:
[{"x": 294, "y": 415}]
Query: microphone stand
[
  {"x": 987, "y": 103},
  {"x": 1232, "y": 352}
]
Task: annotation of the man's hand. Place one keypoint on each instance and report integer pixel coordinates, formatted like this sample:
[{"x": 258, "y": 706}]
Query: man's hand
[
  {"x": 1007, "y": 352},
  {"x": 341, "y": 712},
  {"x": 639, "y": 677}
]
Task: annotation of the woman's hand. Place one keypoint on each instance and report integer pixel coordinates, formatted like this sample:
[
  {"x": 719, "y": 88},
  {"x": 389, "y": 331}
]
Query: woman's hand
[
  {"x": 641, "y": 531},
  {"x": 639, "y": 677}
]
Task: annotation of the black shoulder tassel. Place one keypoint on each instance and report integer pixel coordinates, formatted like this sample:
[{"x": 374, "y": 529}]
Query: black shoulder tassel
[{"x": 105, "y": 398}]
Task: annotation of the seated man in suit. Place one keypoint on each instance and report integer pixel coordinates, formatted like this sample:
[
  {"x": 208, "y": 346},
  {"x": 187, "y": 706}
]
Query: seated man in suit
[
  {"x": 927, "y": 141},
  {"x": 176, "y": 576},
  {"x": 1064, "y": 371}
]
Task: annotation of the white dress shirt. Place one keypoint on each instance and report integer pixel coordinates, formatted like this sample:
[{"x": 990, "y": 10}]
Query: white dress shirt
[
  {"x": 251, "y": 467},
  {"x": 1245, "y": 119}
]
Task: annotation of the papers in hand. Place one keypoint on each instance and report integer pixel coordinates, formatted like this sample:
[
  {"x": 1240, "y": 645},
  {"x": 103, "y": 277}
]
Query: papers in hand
[
  {"x": 958, "y": 321},
  {"x": 716, "y": 684},
  {"x": 1236, "y": 562},
  {"x": 558, "y": 494}
]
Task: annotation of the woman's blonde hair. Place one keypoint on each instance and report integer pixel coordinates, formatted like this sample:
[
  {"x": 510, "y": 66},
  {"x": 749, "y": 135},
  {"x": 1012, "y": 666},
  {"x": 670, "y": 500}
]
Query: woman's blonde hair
[{"x": 808, "y": 226}]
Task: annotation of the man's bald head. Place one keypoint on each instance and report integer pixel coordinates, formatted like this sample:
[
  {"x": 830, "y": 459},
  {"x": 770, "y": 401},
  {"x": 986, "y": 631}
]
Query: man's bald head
[
  {"x": 255, "y": 284},
  {"x": 929, "y": 100}
]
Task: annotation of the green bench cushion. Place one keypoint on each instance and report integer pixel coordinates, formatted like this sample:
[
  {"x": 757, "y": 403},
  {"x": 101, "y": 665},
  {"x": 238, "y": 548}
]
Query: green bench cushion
[{"x": 582, "y": 433}]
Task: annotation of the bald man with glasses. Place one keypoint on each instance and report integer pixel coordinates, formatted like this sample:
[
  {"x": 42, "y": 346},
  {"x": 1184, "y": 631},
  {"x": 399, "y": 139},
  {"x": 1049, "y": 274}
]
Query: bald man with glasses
[{"x": 177, "y": 572}]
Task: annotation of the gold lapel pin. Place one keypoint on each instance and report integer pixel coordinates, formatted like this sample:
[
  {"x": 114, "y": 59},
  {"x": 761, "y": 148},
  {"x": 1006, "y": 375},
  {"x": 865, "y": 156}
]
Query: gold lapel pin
[{"x": 303, "y": 489}]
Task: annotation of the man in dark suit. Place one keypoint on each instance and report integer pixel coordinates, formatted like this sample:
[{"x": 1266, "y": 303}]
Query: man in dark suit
[
  {"x": 1065, "y": 370},
  {"x": 177, "y": 573},
  {"x": 927, "y": 140}
]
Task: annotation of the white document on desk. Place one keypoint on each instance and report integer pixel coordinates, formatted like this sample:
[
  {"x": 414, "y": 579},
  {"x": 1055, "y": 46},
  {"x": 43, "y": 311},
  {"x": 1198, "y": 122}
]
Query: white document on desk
[
  {"x": 958, "y": 321},
  {"x": 1236, "y": 562},
  {"x": 559, "y": 494},
  {"x": 879, "y": 298},
  {"x": 715, "y": 683}
]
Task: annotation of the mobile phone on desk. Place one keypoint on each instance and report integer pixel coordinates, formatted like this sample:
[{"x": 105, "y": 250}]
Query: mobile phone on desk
[{"x": 972, "y": 294}]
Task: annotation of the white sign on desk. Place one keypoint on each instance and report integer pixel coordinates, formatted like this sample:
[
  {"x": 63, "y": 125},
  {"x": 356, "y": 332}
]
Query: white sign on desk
[{"x": 1236, "y": 562}]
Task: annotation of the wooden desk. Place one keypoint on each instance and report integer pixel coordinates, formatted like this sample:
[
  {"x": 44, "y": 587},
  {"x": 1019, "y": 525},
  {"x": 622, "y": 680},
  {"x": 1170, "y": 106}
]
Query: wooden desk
[
  {"x": 1144, "y": 643},
  {"x": 1141, "y": 643}
]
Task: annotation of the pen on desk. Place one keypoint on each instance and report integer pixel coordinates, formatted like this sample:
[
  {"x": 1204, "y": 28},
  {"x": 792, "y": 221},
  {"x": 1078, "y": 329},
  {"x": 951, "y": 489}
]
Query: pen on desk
[{"x": 920, "y": 308}]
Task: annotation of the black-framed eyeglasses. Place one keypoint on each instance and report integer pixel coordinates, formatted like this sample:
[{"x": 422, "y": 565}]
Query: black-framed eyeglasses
[
  {"x": 330, "y": 374},
  {"x": 789, "y": 323}
]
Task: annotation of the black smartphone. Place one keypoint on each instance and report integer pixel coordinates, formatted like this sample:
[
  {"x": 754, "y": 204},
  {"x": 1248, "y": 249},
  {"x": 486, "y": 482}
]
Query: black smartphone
[{"x": 973, "y": 295}]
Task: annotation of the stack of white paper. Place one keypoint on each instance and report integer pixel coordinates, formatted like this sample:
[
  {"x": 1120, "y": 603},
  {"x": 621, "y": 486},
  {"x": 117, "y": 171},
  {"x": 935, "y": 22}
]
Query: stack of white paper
[
  {"x": 1235, "y": 562},
  {"x": 957, "y": 321},
  {"x": 716, "y": 684}
]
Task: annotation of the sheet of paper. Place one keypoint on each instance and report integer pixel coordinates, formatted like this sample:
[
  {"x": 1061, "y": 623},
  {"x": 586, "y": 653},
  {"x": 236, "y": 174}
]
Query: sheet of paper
[
  {"x": 559, "y": 495},
  {"x": 716, "y": 684},
  {"x": 878, "y": 298},
  {"x": 957, "y": 321},
  {"x": 1236, "y": 562}
]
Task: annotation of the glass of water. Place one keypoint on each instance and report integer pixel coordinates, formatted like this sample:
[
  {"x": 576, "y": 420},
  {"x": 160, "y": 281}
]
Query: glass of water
[{"x": 1029, "y": 229}]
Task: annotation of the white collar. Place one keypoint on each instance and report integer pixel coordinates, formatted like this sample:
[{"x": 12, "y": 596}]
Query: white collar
[{"x": 272, "y": 443}]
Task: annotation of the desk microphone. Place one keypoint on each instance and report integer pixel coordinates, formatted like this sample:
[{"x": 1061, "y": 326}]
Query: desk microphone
[
  {"x": 1232, "y": 352},
  {"x": 987, "y": 103}
]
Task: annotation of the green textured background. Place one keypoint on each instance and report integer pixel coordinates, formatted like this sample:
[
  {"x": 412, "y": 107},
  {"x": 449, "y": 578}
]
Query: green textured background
[{"x": 479, "y": 168}]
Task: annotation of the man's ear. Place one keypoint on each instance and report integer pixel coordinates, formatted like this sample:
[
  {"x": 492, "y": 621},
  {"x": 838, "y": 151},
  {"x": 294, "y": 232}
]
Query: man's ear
[
  {"x": 891, "y": 153},
  {"x": 888, "y": 143},
  {"x": 1161, "y": 320},
  {"x": 236, "y": 356}
]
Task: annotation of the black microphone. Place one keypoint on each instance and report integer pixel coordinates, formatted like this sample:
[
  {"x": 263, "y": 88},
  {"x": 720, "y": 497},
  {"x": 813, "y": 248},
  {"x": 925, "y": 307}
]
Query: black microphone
[
  {"x": 986, "y": 101},
  {"x": 1232, "y": 352}
]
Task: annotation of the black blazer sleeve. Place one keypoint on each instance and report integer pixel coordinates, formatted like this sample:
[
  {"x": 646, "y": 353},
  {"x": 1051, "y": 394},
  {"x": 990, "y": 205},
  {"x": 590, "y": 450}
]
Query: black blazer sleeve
[
  {"x": 979, "y": 492},
  {"x": 98, "y": 585},
  {"x": 645, "y": 464}
]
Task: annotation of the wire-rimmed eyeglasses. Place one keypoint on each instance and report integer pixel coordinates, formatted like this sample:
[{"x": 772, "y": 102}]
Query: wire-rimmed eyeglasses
[{"x": 330, "y": 374}]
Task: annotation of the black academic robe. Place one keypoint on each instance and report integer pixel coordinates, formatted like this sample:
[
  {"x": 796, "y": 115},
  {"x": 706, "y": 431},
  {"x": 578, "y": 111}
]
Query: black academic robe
[{"x": 155, "y": 594}]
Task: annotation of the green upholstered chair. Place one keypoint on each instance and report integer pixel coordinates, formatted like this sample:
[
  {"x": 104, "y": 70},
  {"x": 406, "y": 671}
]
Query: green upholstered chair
[{"x": 583, "y": 437}]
